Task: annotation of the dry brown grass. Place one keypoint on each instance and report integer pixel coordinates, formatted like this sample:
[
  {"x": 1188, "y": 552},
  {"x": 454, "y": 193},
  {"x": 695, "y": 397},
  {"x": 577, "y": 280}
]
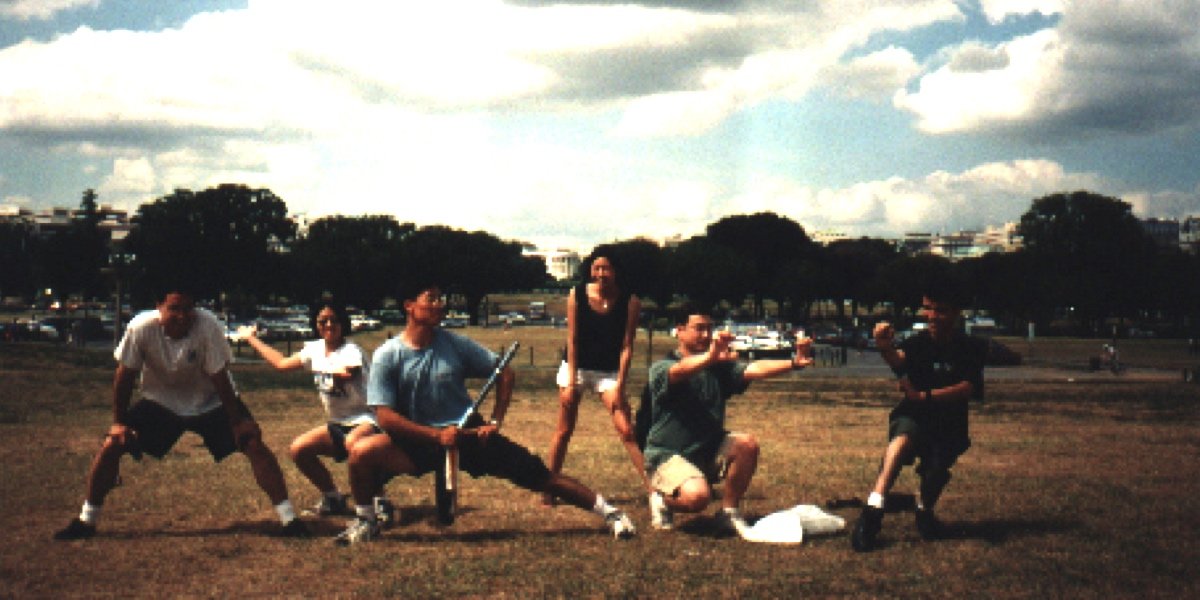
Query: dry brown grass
[{"x": 1070, "y": 490}]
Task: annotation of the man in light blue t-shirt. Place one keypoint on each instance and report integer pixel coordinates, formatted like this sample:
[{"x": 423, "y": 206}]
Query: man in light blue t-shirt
[{"x": 418, "y": 392}]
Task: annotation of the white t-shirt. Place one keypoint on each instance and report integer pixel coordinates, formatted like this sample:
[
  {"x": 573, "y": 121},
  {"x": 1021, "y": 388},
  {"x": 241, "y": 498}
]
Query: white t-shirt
[
  {"x": 345, "y": 403},
  {"x": 175, "y": 373}
]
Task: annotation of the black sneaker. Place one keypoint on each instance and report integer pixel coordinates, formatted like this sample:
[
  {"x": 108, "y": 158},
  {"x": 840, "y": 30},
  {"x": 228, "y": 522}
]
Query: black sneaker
[
  {"x": 295, "y": 529},
  {"x": 928, "y": 525},
  {"x": 333, "y": 505},
  {"x": 862, "y": 537},
  {"x": 75, "y": 530}
]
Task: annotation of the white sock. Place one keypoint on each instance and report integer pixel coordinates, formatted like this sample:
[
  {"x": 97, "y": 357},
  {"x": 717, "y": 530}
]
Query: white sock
[
  {"x": 365, "y": 512},
  {"x": 90, "y": 513},
  {"x": 285, "y": 511},
  {"x": 875, "y": 500},
  {"x": 602, "y": 507}
]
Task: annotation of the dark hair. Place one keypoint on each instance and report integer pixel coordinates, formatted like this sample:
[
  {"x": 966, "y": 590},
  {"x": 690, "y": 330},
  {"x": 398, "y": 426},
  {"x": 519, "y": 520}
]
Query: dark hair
[
  {"x": 174, "y": 285},
  {"x": 612, "y": 253},
  {"x": 685, "y": 311},
  {"x": 415, "y": 284},
  {"x": 339, "y": 313},
  {"x": 946, "y": 289}
]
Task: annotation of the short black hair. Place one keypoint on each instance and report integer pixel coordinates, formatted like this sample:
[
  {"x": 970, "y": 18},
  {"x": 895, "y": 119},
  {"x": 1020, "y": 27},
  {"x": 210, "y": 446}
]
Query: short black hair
[
  {"x": 339, "y": 312},
  {"x": 946, "y": 289},
  {"x": 685, "y": 310},
  {"x": 610, "y": 251},
  {"x": 416, "y": 283},
  {"x": 175, "y": 285}
]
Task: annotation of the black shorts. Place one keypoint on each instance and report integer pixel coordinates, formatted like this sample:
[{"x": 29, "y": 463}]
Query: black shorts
[
  {"x": 337, "y": 434},
  {"x": 500, "y": 457},
  {"x": 158, "y": 428},
  {"x": 937, "y": 452}
]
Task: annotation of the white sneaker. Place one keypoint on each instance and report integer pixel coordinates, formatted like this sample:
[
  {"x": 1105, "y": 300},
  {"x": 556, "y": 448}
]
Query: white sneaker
[
  {"x": 360, "y": 530},
  {"x": 620, "y": 525},
  {"x": 660, "y": 515}
]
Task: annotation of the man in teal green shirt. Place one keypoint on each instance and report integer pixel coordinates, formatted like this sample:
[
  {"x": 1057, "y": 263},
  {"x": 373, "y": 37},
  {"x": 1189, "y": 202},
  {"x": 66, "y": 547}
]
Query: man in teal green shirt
[{"x": 687, "y": 447}]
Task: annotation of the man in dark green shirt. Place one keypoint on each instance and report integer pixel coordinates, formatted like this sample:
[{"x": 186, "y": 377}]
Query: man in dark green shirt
[
  {"x": 939, "y": 370},
  {"x": 687, "y": 447}
]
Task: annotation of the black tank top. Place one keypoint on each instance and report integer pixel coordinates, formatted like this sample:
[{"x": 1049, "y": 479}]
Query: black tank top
[{"x": 599, "y": 338}]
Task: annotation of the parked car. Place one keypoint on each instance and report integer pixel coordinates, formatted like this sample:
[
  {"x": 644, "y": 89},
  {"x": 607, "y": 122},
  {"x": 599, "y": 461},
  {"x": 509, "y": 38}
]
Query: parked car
[
  {"x": 758, "y": 340},
  {"x": 364, "y": 323},
  {"x": 454, "y": 322}
]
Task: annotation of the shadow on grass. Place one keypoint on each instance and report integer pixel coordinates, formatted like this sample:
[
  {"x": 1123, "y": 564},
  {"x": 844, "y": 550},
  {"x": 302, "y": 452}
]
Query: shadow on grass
[{"x": 999, "y": 531}]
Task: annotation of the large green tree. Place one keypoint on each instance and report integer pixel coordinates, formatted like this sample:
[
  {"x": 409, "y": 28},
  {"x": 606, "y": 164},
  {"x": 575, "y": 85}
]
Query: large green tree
[
  {"x": 70, "y": 261},
  {"x": 17, "y": 243},
  {"x": 770, "y": 242},
  {"x": 1096, "y": 252},
  {"x": 356, "y": 259},
  {"x": 707, "y": 273},
  {"x": 226, "y": 240},
  {"x": 470, "y": 264}
]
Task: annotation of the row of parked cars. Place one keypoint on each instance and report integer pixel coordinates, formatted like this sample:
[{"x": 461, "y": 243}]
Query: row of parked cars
[{"x": 295, "y": 324}]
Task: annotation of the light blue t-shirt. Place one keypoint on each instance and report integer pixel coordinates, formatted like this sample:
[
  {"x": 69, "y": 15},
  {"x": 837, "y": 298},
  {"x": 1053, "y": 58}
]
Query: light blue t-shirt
[{"x": 428, "y": 385}]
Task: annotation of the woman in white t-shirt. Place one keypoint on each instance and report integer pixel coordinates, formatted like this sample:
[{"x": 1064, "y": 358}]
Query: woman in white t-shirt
[{"x": 339, "y": 369}]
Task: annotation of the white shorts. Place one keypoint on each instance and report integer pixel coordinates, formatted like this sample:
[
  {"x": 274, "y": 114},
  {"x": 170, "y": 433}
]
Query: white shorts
[
  {"x": 597, "y": 381},
  {"x": 672, "y": 474}
]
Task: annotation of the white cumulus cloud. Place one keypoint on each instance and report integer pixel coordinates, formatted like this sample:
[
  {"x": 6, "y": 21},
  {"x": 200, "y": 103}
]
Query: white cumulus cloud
[{"x": 40, "y": 10}]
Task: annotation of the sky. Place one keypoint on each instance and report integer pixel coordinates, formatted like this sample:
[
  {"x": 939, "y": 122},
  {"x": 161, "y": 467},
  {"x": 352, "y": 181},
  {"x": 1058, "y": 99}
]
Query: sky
[{"x": 572, "y": 123}]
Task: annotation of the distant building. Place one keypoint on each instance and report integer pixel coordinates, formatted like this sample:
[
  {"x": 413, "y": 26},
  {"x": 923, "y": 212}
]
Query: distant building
[
  {"x": 825, "y": 238},
  {"x": 914, "y": 243},
  {"x": 1189, "y": 235},
  {"x": 1164, "y": 232},
  {"x": 561, "y": 264}
]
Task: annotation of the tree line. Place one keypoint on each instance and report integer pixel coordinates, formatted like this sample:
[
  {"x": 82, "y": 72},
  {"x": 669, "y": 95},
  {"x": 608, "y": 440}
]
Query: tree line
[{"x": 1086, "y": 260}]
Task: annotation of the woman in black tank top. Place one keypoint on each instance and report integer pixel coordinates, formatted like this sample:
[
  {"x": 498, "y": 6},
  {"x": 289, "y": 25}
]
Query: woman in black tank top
[{"x": 602, "y": 319}]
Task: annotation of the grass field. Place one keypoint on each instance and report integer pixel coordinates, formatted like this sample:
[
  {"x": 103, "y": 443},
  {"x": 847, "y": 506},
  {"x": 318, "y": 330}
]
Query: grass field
[{"x": 1076, "y": 490}]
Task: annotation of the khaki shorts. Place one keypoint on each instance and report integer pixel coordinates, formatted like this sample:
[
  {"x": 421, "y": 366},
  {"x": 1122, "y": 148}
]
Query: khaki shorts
[
  {"x": 587, "y": 379},
  {"x": 677, "y": 470}
]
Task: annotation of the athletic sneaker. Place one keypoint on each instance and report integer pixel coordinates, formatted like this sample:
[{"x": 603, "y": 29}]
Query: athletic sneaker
[
  {"x": 333, "y": 505},
  {"x": 385, "y": 513},
  {"x": 730, "y": 520},
  {"x": 620, "y": 525},
  {"x": 360, "y": 530},
  {"x": 866, "y": 528},
  {"x": 660, "y": 515},
  {"x": 295, "y": 529},
  {"x": 928, "y": 524},
  {"x": 75, "y": 530}
]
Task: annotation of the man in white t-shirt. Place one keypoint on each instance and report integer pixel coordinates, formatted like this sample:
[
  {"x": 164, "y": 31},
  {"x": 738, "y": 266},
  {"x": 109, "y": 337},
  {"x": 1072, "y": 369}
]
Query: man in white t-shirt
[{"x": 182, "y": 356}]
